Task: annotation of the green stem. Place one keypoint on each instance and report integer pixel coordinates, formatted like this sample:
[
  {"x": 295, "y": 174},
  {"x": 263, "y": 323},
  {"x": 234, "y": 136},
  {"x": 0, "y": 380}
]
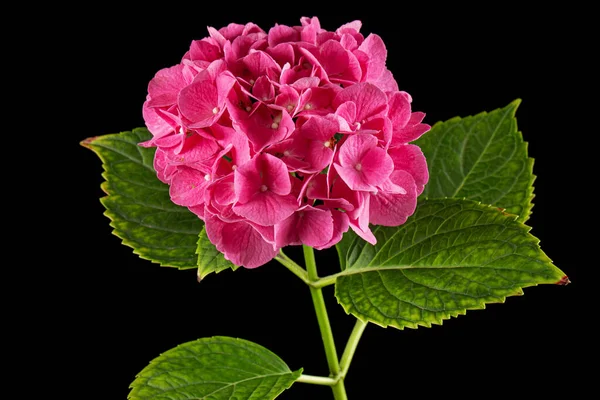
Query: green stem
[
  {"x": 339, "y": 390},
  {"x": 292, "y": 266},
  {"x": 316, "y": 380},
  {"x": 326, "y": 281},
  {"x": 353, "y": 340}
]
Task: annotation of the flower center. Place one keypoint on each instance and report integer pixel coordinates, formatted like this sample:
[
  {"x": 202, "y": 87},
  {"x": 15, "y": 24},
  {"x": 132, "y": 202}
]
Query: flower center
[
  {"x": 358, "y": 166},
  {"x": 215, "y": 110},
  {"x": 329, "y": 143},
  {"x": 263, "y": 188}
]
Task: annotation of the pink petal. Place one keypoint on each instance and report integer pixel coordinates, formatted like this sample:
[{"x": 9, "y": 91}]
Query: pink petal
[
  {"x": 374, "y": 48},
  {"x": 160, "y": 166},
  {"x": 310, "y": 226},
  {"x": 267, "y": 208},
  {"x": 363, "y": 165},
  {"x": 302, "y": 84},
  {"x": 195, "y": 148},
  {"x": 354, "y": 148},
  {"x": 264, "y": 173},
  {"x": 206, "y": 49},
  {"x": 291, "y": 152},
  {"x": 317, "y": 100},
  {"x": 264, "y": 126},
  {"x": 343, "y": 197},
  {"x": 340, "y": 226},
  {"x": 318, "y": 156},
  {"x": 275, "y": 175},
  {"x": 310, "y": 21},
  {"x": 334, "y": 58},
  {"x": 159, "y": 122},
  {"x": 164, "y": 86},
  {"x": 217, "y": 36},
  {"x": 199, "y": 210},
  {"x": 219, "y": 198},
  {"x": 413, "y": 130},
  {"x": 259, "y": 63},
  {"x": 231, "y": 31},
  {"x": 358, "y": 219},
  {"x": 240, "y": 150},
  {"x": 320, "y": 128},
  {"x": 386, "y": 82},
  {"x": 340, "y": 64},
  {"x": 346, "y": 111},
  {"x": 240, "y": 242},
  {"x": 188, "y": 186},
  {"x": 316, "y": 187},
  {"x": 410, "y": 158},
  {"x": 240, "y": 47},
  {"x": 289, "y": 75},
  {"x": 251, "y": 28},
  {"x": 287, "y": 98},
  {"x": 239, "y": 104},
  {"x": 399, "y": 110},
  {"x": 282, "y": 53},
  {"x": 350, "y": 27},
  {"x": 348, "y": 42},
  {"x": 393, "y": 209},
  {"x": 282, "y": 34},
  {"x": 171, "y": 143},
  {"x": 223, "y": 191},
  {"x": 263, "y": 89},
  {"x": 377, "y": 166},
  {"x": 203, "y": 102},
  {"x": 369, "y": 99},
  {"x": 310, "y": 29},
  {"x": 381, "y": 128},
  {"x": 315, "y": 226},
  {"x": 199, "y": 103},
  {"x": 364, "y": 233}
]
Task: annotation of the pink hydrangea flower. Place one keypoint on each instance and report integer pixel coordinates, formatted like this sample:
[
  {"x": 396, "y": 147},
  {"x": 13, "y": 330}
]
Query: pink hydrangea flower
[{"x": 285, "y": 137}]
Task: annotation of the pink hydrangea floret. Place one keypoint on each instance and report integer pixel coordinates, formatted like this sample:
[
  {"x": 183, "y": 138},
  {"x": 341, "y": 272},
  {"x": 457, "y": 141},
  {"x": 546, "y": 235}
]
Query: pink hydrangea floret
[{"x": 286, "y": 137}]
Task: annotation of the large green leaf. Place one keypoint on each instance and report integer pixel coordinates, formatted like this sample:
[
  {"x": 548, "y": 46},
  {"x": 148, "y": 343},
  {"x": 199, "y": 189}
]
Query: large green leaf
[
  {"x": 451, "y": 256},
  {"x": 214, "y": 368},
  {"x": 482, "y": 158},
  {"x": 209, "y": 258},
  {"x": 138, "y": 204}
]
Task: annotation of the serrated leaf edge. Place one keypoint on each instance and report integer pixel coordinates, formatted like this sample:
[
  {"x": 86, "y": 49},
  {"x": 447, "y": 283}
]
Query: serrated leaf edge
[{"x": 456, "y": 313}]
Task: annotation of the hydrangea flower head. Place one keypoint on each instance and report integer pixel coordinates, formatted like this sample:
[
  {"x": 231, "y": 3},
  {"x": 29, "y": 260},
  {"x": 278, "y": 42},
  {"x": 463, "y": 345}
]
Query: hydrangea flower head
[{"x": 290, "y": 136}]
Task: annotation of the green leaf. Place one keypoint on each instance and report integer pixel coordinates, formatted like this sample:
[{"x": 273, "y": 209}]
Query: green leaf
[
  {"x": 214, "y": 368},
  {"x": 209, "y": 258},
  {"x": 451, "y": 256},
  {"x": 482, "y": 158},
  {"x": 138, "y": 203}
]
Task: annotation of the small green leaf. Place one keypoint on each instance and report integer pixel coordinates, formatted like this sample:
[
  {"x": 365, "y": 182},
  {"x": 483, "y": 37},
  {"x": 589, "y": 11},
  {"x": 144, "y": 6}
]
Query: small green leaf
[
  {"x": 482, "y": 158},
  {"x": 209, "y": 258},
  {"x": 451, "y": 256},
  {"x": 214, "y": 368},
  {"x": 138, "y": 203}
]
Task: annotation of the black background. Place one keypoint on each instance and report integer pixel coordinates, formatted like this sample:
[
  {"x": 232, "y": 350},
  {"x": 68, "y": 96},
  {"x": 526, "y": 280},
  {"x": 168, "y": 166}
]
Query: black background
[{"x": 116, "y": 311}]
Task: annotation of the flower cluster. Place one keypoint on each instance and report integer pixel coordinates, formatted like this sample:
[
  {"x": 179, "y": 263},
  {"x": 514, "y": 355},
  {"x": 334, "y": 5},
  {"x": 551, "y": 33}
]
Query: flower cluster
[{"x": 286, "y": 137}]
